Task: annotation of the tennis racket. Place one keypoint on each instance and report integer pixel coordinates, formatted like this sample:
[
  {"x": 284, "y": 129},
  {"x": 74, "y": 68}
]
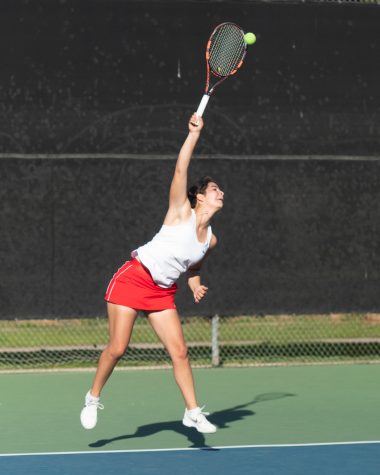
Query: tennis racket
[{"x": 225, "y": 52}]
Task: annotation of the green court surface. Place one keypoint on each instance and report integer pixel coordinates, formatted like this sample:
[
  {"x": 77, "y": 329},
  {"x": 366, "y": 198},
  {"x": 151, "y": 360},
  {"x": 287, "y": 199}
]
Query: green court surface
[{"x": 143, "y": 409}]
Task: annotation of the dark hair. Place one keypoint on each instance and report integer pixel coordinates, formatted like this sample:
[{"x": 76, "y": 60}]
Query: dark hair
[{"x": 199, "y": 187}]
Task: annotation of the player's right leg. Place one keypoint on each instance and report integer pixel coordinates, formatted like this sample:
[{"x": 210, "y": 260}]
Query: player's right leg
[{"x": 121, "y": 320}]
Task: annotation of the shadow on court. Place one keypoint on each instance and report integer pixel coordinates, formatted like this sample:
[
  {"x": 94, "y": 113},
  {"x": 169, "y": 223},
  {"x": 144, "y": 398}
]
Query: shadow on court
[{"x": 221, "y": 418}]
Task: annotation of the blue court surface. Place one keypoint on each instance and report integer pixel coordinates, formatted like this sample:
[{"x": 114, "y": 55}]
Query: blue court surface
[{"x": 337, "y": 459}]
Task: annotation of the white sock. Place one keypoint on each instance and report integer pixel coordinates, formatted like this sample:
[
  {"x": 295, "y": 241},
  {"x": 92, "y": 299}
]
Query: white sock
[
  {"x": 93, "y": 398},
  {"x": 193, "y": 412}
]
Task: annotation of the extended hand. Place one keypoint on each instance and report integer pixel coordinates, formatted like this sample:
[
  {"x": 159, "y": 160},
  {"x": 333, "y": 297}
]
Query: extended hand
[
  {"x": 199, "y": 293},
  {"x": 195, "y": 123}
]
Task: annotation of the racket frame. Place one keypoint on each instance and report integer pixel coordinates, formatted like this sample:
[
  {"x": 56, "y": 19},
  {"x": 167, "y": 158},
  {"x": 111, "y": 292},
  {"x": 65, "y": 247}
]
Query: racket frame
[{"x": 208, "y": 92}]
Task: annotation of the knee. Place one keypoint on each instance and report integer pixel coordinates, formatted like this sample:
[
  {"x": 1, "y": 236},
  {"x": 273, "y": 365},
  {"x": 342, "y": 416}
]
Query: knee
[
  {"x": 179, "y": 352},
  {"x": 116, "y": 352}
]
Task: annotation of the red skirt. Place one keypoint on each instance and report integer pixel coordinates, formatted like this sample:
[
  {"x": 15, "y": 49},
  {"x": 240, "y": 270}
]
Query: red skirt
[{"x": 132, "y": 286}]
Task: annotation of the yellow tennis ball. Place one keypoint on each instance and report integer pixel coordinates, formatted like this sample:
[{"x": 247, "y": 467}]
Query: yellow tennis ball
[{"x": 250, "y": 38}]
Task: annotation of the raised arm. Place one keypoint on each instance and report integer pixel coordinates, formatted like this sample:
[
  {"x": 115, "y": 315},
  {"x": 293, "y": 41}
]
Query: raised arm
[{"x": 178, "y": 202}]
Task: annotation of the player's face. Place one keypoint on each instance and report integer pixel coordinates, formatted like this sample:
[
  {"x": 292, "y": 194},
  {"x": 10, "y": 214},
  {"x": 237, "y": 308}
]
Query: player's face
[{"x": 214, "y": 195}]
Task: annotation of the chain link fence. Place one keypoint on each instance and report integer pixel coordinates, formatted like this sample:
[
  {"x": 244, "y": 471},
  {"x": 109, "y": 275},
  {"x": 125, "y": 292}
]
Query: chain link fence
[{"x": 212, "y": 341}]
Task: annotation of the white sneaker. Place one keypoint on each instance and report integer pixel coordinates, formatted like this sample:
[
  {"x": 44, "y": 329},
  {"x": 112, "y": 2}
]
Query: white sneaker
[
  {"x": 89, "y": 414},
  {"x": 196, "y": 418}
]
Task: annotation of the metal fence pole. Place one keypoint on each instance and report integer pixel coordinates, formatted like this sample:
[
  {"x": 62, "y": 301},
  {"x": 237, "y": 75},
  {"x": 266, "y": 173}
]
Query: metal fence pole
[{"x": 215, "y": 359}]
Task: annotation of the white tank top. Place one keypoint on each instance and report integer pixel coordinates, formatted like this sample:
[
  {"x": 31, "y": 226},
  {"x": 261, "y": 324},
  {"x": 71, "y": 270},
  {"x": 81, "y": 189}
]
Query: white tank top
[{"x": 172, "y": 251}]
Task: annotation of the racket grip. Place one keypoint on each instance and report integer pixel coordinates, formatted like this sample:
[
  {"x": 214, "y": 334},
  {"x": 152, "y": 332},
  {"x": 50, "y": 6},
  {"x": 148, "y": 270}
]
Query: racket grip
[{"x": 202, "y": 105}]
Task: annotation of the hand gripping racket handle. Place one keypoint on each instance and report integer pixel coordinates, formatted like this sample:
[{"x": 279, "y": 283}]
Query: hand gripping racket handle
[{"x": 202, "y": 105}]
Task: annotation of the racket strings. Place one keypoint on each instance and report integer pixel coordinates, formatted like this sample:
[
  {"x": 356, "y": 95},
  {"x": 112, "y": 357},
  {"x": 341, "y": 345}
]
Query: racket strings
[
  {"x": 227, "y": 54},
  {"x": 227, "y": 49}
]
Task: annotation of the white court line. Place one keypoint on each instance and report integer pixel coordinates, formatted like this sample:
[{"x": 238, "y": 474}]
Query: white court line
[{"x": 225, "y": 447}]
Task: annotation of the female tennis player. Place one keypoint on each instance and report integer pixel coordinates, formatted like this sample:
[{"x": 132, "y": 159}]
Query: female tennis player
[{"x": 147, "y": 283}]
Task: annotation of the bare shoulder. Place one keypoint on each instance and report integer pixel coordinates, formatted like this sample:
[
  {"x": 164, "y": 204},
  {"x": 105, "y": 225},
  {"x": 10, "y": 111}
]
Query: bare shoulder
[{"x": 177, "y": 215}]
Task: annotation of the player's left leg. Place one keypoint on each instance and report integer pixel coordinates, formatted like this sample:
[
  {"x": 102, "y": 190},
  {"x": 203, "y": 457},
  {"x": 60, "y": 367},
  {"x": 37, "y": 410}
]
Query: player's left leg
[{"x": 167, "y": 325}]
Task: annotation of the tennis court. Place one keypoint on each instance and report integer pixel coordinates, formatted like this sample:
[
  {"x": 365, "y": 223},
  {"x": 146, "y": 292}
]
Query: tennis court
[{"x": 295, "y": 419}]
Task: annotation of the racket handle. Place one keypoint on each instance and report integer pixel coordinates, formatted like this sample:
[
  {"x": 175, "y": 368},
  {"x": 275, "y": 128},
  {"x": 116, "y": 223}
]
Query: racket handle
[{"x": 202, "y": 105}]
